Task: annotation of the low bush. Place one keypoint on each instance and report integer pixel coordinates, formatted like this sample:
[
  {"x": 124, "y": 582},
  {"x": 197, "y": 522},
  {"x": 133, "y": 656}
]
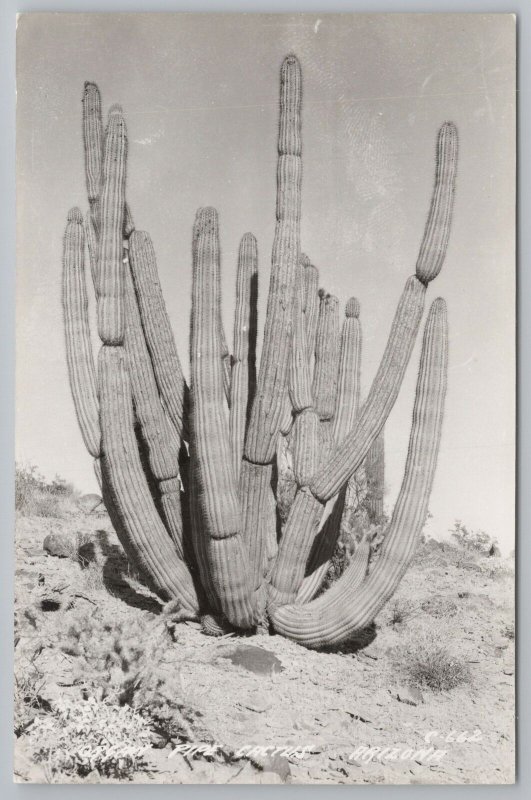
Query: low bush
[
  {"x": 423, "y": 661},
  {"x": 80, "y": 736},
  {"x": 34, "y": 496}
]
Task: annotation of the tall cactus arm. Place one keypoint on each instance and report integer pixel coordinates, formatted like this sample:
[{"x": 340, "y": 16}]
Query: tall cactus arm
[
  {"x": 158, "y": 433},
  {"x": 93, "y": 139},
  {"x": 210, "y": 439},
  {"x": 326, "y": 357},
  {"x": 437, "y": 232},
  {"x": 225, "y": 358},
  {"x": 342, "y": 612},
  {"x": 135, "y": 517},
  {"x": 261, "y": 440},
  {"x": 92, "y": 246},
  {"x": 79, "y": 355},
  {"x": 217, "y": 491},
  {"x": 243, "y": 376},
  {"x": 348, "y": 378},
  {"x": 299, "y": 382},
  {"x": 157, "y": 328},
  {"x": 311, "y": 306},
  {"x": 111, "y": 312},
  {"x": 375, "y": 470},
  {"x": 271, "y": 407}
]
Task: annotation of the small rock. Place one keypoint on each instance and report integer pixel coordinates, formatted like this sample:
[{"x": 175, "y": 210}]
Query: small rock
[
  {"x": 257, "y": 704},
  {"x": 410, "y": 695},
  {"x": 60, "y": 545},
  {"x": 89, "y": 502},
  {"x": 279, "y": 765}
]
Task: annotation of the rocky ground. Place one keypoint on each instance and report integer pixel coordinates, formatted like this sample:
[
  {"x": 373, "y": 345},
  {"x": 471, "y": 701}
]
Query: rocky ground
[{"x": 428, "y": 700}]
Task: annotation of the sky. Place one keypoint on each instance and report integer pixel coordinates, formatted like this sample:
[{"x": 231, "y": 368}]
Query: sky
[{"x": 200, "y": 97}]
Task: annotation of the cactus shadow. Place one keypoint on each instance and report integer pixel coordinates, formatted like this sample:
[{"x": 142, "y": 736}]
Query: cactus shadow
[
  {"x": 115, "y": 571},
  {"x": 359, "y": 641}
]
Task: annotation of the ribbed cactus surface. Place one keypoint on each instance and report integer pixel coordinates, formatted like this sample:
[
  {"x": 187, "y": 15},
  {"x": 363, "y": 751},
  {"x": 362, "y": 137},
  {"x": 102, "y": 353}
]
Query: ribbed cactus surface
[
  {"x": 243, "y": 376},
  {"x": 228, "y": 495},
  {"x": 267, "y": 409},
  {"x": 77, "y": 334},
  {"x": 344, "y": 610},
  {"x": 111, "y": 310}
]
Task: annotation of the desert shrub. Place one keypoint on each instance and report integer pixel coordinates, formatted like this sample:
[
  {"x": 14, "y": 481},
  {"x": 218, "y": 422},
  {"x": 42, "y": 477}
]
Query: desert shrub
[
  {"x": 477, "y": 541},
  {"x": 400, "y": 610},
  {"x": 81, "y": 736},
  {"x": 423, "y": 661},
  {"x": 34, "y": 496},
  {"x": 129, "y": 660},
  {"x": 440, "y": 606},
  {"x": 508, "y": 631},
  {"x": 27, "y": 696}
]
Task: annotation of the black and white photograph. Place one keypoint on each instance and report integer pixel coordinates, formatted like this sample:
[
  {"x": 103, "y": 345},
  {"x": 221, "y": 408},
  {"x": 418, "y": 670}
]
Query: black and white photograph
[{"x": 265, "y": 398}]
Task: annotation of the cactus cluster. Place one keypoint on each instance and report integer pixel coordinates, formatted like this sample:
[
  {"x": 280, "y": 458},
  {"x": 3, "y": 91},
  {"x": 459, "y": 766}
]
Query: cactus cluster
[{"x": 191, "y": 474}]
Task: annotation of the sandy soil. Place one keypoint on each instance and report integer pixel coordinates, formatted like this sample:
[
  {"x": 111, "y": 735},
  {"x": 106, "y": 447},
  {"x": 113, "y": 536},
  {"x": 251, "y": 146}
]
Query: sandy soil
[{"x": 332, "y": 709}]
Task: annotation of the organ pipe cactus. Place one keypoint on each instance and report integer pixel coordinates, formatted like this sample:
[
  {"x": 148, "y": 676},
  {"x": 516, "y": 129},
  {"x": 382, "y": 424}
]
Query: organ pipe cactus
[{"x": 189, "y": 474}]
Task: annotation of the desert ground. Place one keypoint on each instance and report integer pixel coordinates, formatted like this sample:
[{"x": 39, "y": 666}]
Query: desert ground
[{"x": 108, "y": 688}]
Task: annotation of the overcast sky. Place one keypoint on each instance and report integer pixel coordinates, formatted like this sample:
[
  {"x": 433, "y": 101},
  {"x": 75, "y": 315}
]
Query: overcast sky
[{"x": 200, "y": 95}]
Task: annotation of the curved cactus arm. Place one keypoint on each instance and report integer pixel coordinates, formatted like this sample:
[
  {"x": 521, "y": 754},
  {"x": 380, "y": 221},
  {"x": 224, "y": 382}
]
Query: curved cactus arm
[
  {"x": 437, "y": 232},
  {"x": 383, "y": 393},
  {"x": 342, "y": 612},
  {"x": 311, "y": 438},
  {"x": 226, "y": 553},
  {"x": 243, "y": 375},
  {"x": 298, "y": 536},
  {"x": 130, "y": 503},
  {"x": 157, "y": 432},
  {"x": 336, "y": 471},
  {"x": 346, "y": 411},
  {"x": 264, "y": 425},
  {"x": 157, "y": 328},
  {"x": 79, "y": 355},
  {"x": 357, "y": 571},
  {"x": 388, "y": 379},
  {"x": 111, "y": 312}
]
